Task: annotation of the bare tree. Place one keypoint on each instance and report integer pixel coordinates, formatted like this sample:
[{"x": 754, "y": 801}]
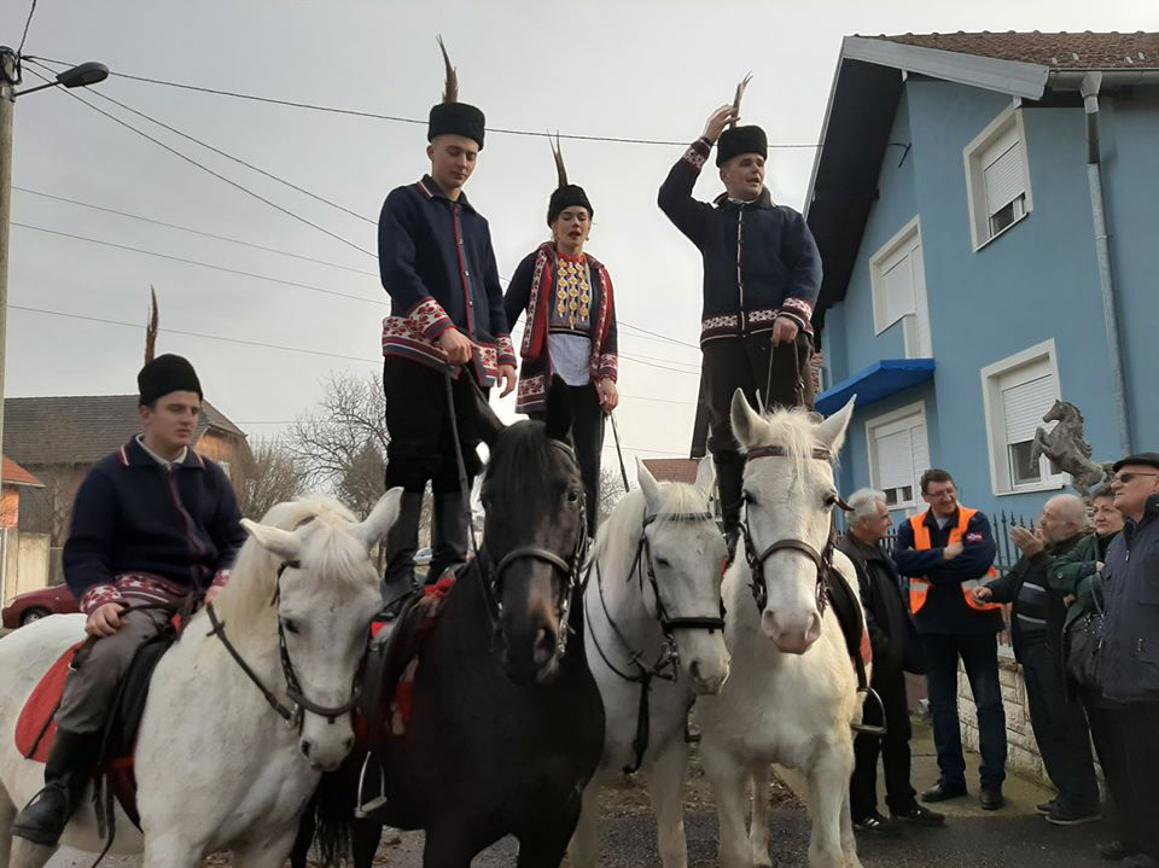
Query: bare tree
[
  {"x": 270, "y": 474},
  {"x": 611, "y": 490}
]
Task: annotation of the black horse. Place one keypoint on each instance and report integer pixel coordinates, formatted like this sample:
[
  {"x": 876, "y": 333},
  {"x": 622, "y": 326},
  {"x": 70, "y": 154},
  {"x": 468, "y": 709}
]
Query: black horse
[{"x": 507, "y": 724}]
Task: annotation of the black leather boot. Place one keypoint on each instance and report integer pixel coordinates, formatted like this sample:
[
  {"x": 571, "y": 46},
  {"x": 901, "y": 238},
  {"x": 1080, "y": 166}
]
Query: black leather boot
[
  {"x": 66, "y": 774},
  {"x": 402, "y": 543},
  {"x": 449, "y": 534},
  {"x": 730, "y": 486}
]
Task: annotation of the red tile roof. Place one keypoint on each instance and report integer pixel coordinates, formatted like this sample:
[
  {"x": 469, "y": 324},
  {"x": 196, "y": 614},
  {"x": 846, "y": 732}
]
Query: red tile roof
[
  {"x": 14, "y": 474},
  {"x": 1085, "y": 50},
  {"x": 673, "y": 469}
]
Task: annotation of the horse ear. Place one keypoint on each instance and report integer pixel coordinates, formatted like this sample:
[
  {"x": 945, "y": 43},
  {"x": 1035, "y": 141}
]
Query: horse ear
[
  {"x": 831, "y": 432},
  {"x": 381, "y": 518},
  {"x": 276, "y": 541},
  {"x": 490, "y": 425},
  {"x": 706, "y": 476},
  {"x": 649, "y": 486},
  {"x": 558, "y": 410},
  {"x": 747, "y": 424}
]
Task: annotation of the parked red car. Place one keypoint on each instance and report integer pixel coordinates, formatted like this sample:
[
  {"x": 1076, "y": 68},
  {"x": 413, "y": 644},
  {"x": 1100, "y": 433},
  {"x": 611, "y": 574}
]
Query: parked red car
[{"x": 26, "y": 608}]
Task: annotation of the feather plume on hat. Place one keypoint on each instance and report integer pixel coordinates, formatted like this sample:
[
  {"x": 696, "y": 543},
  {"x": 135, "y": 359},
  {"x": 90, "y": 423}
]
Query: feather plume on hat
[
  {"x": 451, "y": 116},
  {"x": 451, "y": 87}
]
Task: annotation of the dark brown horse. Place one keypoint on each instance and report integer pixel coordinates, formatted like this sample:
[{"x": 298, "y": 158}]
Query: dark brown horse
[{"x": 507, "y": 724}]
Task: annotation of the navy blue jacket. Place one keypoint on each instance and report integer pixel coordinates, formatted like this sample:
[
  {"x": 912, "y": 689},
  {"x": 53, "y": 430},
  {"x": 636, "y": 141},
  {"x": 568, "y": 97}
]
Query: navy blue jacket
[
  {"x": 1129, "y": 661},
  {"x": 945, "y": 611},
  {"x": 133, "y": 516},
  {"x": 779, "y": 271},
  {"x": 438, "y": 267}
]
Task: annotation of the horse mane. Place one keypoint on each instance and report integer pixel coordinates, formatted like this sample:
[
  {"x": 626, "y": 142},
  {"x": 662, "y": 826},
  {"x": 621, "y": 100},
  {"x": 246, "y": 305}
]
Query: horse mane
[
  {"x": 328, "y": 548},
  {"x": 620, "y": 532},
  {"x": 793, "y": 431},
  {"x": 523, "y": 451}
]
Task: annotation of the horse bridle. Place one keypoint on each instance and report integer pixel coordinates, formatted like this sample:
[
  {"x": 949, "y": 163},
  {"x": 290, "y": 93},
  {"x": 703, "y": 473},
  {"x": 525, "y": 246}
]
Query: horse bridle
[
  {"x": 569, "y": 569},
  {"x": 823, "y": 560},
  {"x": 299, "y": 702}
]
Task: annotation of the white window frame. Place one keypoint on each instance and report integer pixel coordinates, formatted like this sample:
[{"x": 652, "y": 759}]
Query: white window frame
[
  {"x": 1010, "y": 118},
  {"x": 909, "y": 236},
  {"x": 871, "y": 425},
  {"x": 992, "y": 377}
]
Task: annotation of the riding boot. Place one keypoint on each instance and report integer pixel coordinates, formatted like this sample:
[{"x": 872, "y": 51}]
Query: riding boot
[
  {"x": 402, "y": 543},
  {"x": 449, "y": 533},
  {"x": 66, "y": 774},
  {"x": 730, "y": 485}
]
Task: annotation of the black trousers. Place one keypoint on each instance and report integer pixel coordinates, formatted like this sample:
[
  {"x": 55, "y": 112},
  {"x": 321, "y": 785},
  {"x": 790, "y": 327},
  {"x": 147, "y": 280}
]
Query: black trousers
[
  {"x": 893, "y": 748},
  {"x": 587, "y": 434},
  {"x": 1106, "y": 723},
  {"x": 422, "y": 444},
  {"x": 1139, "y": 730},
  {"x": 1060, "y": 727},
  {"x": 743, "y": 363}
]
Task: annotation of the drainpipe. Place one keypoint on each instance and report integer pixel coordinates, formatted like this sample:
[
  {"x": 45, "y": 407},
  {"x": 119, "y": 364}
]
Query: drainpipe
[{"x": 1091, "y": 84}]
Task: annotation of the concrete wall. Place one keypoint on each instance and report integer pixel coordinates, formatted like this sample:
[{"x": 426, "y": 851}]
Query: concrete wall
[{"x": 26, "y": 565}]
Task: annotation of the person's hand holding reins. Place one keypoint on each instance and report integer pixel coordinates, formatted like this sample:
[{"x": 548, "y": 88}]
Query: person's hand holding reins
[
  {"x": 457, "y": 346},
  {"x": 507, "y": 379},
  {"x": 608, "y": 394},
  {"x": 784, "y": 330},
  {"x": 105, "y": 620}
]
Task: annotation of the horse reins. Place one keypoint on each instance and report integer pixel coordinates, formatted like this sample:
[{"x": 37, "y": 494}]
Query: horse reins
[
  {"x": 822, "y": 560},
  {"x": 665, "y": 666},
  {"x": 299, "y": 702}
]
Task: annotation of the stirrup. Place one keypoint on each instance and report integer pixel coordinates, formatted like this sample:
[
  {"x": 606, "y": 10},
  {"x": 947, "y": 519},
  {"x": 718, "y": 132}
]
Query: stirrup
[
  {"x": 361, "y": 808},
  {"x": 868, "y": 728}
]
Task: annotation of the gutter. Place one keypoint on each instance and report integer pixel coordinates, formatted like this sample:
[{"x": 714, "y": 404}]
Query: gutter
[{"x": 1090, "y": 86}]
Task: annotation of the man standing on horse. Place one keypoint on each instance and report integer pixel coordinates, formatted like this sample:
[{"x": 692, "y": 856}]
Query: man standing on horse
[
  {"x": 447, "y": 327},
  {"x": 947, "y": 551},
  {"x": 570, "y": 330},
  {"x": 762, "y": 274},
  {"x": 152, "y": 524}
]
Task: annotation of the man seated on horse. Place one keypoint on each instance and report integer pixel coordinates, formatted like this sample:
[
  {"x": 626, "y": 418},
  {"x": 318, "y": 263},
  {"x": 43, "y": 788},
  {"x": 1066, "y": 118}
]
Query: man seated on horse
[
  {"x": 152, "y": 524},
  {"x": 438, "y": 266},
  {"x": 762, "y": 274}
]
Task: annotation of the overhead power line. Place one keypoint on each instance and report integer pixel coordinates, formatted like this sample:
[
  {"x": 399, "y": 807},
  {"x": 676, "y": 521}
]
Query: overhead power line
[
  {"x": 27, "y": 24},
  {"x": 199, "y": 263},
  {"x": 400, "y": 119},
  {"x": 192, "y": 231}
]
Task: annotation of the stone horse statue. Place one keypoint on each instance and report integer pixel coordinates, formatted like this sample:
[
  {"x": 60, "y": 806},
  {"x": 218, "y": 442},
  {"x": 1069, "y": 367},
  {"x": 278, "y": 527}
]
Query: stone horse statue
[{"x": 1067, "y": 447}]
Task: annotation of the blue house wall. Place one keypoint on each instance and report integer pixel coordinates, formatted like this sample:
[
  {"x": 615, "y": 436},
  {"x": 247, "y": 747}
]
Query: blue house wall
[{"x": 1036, "y": 282}]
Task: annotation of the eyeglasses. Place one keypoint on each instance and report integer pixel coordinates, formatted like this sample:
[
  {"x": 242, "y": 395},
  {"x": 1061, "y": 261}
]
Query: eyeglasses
[{"x": 1128, "y": 477}]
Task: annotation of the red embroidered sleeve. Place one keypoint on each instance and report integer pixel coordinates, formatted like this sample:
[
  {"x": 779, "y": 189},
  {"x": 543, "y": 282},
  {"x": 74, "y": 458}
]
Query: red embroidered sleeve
[
  {"x": 697, "y": 153},
  {"x": 798, "y": 310},
  {"x": 97, "y": 596},
  {"x": 220, "y": 578},
  {"x": 609, "y": 368},
  {"x": 430, "y": 319},
  {"x": 506, "y": 351}
]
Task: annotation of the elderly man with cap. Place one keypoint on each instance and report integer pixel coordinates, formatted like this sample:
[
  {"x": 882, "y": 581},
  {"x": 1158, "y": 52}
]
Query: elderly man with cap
[
  {"x": 447, "y": 319},
  {"x": 152, "y": 524},
  {"x": 762, "y": 274},
  {"x": 570, "y": 330},
  {"x": 1129, "y": 659}
]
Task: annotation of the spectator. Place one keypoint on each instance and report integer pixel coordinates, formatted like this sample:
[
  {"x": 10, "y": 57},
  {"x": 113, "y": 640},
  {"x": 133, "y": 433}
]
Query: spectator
[
  {"x": 945, "y": 551},
  {"x": 895, "y": 651},
  {"x": 1129, "y": 660},
  {"x": 1075, "y": 576},
  {"x": 1060, "y": 728}
]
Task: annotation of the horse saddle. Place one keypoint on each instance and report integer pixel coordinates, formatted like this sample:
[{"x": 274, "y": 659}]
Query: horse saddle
[
  {"x": 36, "y": 727},
  {"x": 392, "y": 660},
  {"x": 847, "y": 609}
]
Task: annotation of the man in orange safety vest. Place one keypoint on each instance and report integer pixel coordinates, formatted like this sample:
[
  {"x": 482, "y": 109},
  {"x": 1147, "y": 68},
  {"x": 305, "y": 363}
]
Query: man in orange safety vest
[{"x": 946, "y": 552}]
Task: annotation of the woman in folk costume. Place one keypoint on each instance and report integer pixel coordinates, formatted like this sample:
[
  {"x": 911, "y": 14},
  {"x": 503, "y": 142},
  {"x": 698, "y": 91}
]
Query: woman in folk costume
[{"x": 570, "y": 331}]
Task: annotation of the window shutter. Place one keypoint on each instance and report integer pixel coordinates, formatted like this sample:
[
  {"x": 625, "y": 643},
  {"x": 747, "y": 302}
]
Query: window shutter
[
  {"x": 1003, "y": 177},
  {"x": 898, "y": 290},
  {"x": 1023, "y": 406},
  {"x": 894, "y": 460}
]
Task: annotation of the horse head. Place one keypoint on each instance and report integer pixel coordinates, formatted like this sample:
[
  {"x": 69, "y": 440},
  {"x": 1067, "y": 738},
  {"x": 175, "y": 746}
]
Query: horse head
[
  {"x": 682, "y": 553},
  {"x": 534, "y": 535},
  {"x": 307, "y": 567},
  {"x": 789, "y": 495}
]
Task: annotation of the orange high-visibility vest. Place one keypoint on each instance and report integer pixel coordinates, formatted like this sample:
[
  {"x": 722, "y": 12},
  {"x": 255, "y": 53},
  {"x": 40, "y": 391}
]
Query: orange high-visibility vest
[{"x": 919, "y": 588}]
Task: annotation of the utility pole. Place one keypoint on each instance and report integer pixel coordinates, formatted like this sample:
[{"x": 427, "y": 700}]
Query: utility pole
[{"x": 7, "y": 104}]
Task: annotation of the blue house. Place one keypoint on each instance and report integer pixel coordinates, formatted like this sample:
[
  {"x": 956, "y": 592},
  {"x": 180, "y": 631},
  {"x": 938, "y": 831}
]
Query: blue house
[{"x": 986, "y": 208}]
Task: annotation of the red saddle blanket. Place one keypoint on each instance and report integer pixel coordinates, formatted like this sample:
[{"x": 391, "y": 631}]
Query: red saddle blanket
[{"x": 36, "y": 727}]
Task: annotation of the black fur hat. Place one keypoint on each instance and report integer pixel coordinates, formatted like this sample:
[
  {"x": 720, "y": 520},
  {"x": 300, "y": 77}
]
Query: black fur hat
[
  {"x": 166, "y": 373},
  {"x": 451, "y": 117}
]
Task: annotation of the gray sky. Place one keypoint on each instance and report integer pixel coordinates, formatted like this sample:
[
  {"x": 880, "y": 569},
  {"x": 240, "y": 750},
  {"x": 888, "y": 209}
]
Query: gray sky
[{"x": 643, "y": 69}]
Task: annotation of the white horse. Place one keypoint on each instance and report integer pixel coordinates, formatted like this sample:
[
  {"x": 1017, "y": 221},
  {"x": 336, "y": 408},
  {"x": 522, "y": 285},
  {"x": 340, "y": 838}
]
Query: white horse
[
  {"x": 792, "y": 697},
  {"x": 216, "y": 767},
  {"x": 653, "y": 620}
]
